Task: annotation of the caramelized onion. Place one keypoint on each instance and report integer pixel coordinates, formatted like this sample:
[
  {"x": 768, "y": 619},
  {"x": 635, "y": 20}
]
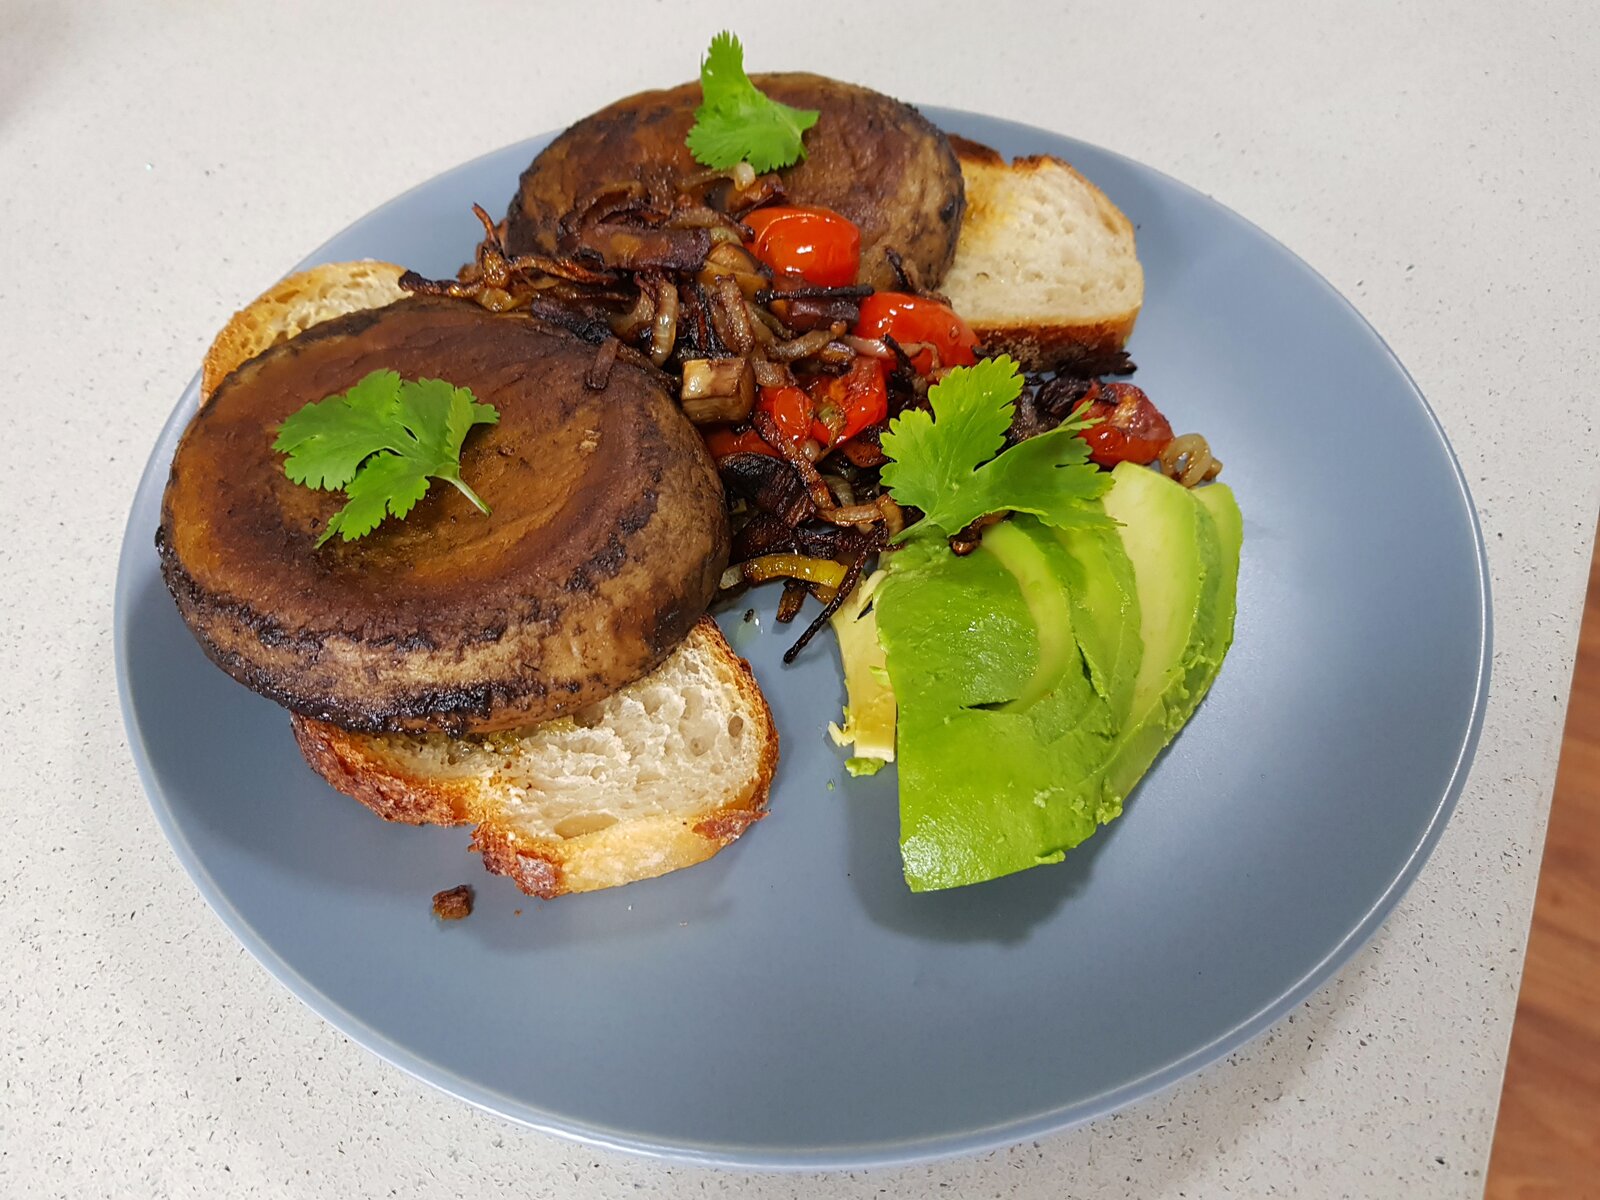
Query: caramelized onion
[
  {"x": 665, "y": 331},
  {"x": 1188, "y": 459},
  {"x": 771, "y": 374},
  {"x": 599, "y": 373},
  {"x": 871, "y": 347},
  {"x": 894, "y": 517},
  {"x": 632, "y": 323},
  {"x": 794, "y": 595},
  {"x": 729, "y": 315},
  {"x": 796, "y": 457},
  {"x": 805, "y": 345},
  {"x": 851, "y": 514}
]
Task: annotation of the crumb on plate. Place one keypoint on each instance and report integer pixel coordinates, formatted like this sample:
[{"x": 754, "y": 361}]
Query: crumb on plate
[{"x": 453, "y": 904}]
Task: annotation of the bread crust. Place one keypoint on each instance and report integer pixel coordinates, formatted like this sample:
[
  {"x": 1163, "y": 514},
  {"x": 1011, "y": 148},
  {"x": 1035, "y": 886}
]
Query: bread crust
[
  {"x": 348, "y": 762},
  {"x": 1064, "y": 346},
  {"x": 293, "y": 305},
  {"x": 547, "y": 867}
]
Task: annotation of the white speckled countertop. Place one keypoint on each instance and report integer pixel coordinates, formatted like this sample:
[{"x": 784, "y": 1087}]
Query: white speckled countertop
[{"x": 161, "y": 163}]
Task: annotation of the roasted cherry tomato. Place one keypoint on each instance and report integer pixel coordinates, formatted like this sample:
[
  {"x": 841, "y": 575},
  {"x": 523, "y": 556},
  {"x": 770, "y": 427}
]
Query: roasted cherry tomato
[
  {"x": 723, "y": 441},
  {"x": 912, "y": 319},
  {"x": 1131, "y": 428},
  {"x": 846, "y": 404},
  {"x": 790, "y": 408},
  {"x": 807, "y": 240}
]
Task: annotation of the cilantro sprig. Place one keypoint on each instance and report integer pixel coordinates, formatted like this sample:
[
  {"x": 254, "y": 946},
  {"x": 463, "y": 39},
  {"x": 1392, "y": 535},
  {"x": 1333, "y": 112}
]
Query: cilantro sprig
[
  {"x": 949, "y": 462},
  {"x": 736, "y": 122},
  {"x": 382, "y": 442}
]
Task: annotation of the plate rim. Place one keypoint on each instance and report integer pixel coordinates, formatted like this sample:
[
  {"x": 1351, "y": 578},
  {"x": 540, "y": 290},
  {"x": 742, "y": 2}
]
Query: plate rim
[{"x": 866, "y": 1154}]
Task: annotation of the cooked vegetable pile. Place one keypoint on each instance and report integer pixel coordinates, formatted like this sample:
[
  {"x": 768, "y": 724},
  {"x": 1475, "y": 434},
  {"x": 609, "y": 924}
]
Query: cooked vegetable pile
[{"x": 1046, "y": 612}]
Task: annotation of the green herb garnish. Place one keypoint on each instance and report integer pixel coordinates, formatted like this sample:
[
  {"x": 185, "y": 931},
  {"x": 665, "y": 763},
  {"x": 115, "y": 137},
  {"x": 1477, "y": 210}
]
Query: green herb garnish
[
  {"x": 736, "y": 123},
  {"x": 382, "y": 442},
  {"x": 949, "y": 462}
]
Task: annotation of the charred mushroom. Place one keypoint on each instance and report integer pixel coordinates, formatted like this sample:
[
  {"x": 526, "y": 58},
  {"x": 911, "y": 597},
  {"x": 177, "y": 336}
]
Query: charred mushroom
[
  {"x": 606, "y": 541},
  {"x": 871, "y": 158}
]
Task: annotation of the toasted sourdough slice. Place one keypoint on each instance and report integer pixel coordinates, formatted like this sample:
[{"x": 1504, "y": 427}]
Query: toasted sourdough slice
[
  {"x": 294, "y": 305},
  {"x": 659, "y": 776},
  {"x": 1045, "y": 267}
]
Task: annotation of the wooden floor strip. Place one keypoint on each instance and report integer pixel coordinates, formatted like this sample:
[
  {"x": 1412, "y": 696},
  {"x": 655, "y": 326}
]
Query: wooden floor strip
[{"x": 1547, "y": 1142}]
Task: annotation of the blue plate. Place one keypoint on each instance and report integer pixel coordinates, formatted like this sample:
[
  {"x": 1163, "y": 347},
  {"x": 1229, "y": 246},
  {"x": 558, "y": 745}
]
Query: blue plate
[{"x": 790, "y": 1003}]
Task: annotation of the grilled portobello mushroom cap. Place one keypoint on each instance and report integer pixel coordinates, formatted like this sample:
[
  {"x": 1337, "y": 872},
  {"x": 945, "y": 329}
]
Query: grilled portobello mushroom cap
[
  {"x": 606, "y": 540},
  {"x": 871, "y": 158}
]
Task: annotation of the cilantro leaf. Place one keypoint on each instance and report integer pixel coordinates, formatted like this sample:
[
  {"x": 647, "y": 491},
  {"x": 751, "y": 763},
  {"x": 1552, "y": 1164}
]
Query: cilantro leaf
[
  {"x": 736, "y": 122},
  {"x": 382, "y": 442},
  {"x": 949, "y": 462},
  {"x": 387, "y": 484},
  {"x": 973, "y": 407},
  {"x": 328, "y": 440}
]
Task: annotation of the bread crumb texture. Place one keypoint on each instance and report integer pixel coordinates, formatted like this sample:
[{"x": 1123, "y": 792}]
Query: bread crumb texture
[{"x": 1046, "y": 265}]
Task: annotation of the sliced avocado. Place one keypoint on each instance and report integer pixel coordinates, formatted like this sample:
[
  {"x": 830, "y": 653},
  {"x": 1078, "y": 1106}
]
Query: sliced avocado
[
  {"x": 974, "y": 640},
  {"x": 987, "y": 787},
  {"x": 1105, "y": 612},
  {"x": 1038, "y": 681},
  {"x": 1021, "y": 550},
  {"x": 1176, "y": 552}
]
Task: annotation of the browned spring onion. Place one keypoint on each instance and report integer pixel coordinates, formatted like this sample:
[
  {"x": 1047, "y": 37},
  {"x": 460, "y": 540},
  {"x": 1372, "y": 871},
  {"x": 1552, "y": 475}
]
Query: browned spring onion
[
  {"x": 822, "y": 571},
  {"x": 850, "y": 291},
  {"x": 847, "y": 585}
]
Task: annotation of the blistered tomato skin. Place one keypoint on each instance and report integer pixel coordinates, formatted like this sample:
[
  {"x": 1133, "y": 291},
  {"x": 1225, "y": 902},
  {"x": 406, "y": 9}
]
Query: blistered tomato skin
[
  {"x": 814, "y": 243},
  {"x": 722, "y": 441},
  {"x": 916, "y": 319},
  {"x": 1131, "y": 428},
  {"x": 846, "y": 404},
  {"x": 790, "y": 409}
]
